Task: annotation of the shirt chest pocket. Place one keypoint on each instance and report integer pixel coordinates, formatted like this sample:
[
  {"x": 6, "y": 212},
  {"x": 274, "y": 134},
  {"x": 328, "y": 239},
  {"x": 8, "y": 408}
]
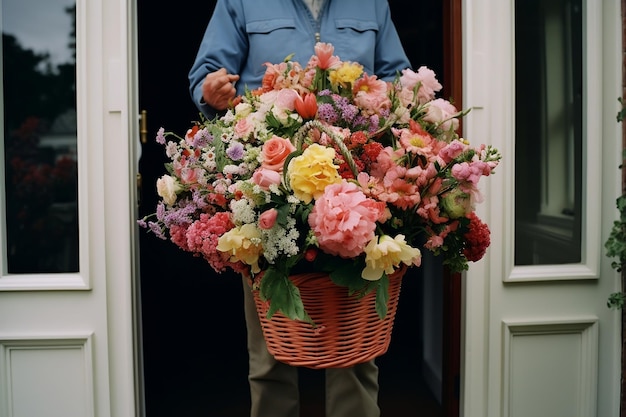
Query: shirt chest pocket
[
  {"x": 355, "y": 40},
  {"x": 266, "y": 27},
  {"x": 355, "y": 25},
  {"x": 271, "y": 41}
]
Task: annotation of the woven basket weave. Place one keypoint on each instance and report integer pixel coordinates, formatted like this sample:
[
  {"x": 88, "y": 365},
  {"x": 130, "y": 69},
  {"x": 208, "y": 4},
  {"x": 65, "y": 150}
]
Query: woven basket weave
[{"x": 347, "y": 329}]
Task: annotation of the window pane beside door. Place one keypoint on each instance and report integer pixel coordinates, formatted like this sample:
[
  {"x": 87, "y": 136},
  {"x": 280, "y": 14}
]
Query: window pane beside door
[
  {"x": 548, "y": 133},
  {"x": 39, "y": 135}
]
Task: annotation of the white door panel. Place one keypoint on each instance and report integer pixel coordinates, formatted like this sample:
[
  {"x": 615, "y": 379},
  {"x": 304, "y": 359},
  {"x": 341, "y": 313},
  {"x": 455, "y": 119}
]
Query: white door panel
[
  {"x": 539, "y": 339},
  {"x": 66, "y": 338}
]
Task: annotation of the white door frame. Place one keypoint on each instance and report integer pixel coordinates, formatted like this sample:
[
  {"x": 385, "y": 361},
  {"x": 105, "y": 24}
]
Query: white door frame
[
  {"x": 499, "y": 308},
  {"x": 67, "y": 340}
]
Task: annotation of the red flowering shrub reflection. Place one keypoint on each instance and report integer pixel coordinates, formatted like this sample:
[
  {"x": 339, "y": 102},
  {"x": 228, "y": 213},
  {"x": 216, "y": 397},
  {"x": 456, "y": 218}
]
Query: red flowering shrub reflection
[{"x": 41, "y": 190}]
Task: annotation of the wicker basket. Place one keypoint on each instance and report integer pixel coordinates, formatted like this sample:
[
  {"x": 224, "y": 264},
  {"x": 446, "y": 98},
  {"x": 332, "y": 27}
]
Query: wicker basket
[{"x": 348, "y": 330}]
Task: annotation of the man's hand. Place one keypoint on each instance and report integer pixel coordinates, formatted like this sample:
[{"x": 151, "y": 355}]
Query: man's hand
[{"x": 218, "y": 89}]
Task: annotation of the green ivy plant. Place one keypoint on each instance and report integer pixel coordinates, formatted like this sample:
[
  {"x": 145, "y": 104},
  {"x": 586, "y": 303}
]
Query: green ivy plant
[{"x": 616, "y": 243}]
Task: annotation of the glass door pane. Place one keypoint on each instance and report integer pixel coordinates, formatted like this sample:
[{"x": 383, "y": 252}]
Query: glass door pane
[
  {"x": 39, "y": 135},
  {"x": 548, "y": 133}
]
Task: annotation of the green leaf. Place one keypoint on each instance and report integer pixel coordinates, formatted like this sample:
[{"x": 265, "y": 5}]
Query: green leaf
[
  {"x": 616, "y": 300},
  {"x": 283, "y": 214},
  {"x": 382, "y": 296},
  {"x": 348, "y": 274},
  {"x": 285, "y": 296},
  {"x": 622, "y": 112}
]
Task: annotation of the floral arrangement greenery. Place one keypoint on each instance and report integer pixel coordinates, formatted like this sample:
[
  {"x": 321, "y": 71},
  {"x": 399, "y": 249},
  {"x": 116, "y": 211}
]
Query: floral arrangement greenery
[{"x": 326, "y": 168}]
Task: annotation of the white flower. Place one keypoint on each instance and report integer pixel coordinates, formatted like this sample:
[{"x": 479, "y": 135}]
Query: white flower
[
  {"x": 167, "y": 188},
  {"x": 243, "y": 211},
  {"x": 242, "y": 110},
  {"x": 171, "y": 150}
]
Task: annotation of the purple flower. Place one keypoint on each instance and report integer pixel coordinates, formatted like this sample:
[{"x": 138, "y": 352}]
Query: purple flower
[
  {"x": 348, "y": 111},
  {"x": 180, "y": 216},
  {"x": 327, "y": 113},
  {"x": 160, "y": 211},
  {"x": 202, "y": 138},
  {"x": 199, "y": 200},
  {"x": 374, "y": 123},
  {"x": 156, "y": 229},
  {"x": 235, "y": 151}
]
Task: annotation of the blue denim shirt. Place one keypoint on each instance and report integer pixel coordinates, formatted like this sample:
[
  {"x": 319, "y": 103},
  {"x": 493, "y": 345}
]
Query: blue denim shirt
[{"x": 243, "y": 35}]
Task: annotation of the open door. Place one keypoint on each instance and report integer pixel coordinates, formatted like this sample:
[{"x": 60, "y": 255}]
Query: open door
[
  {"x": 543, "y": 78},
  {"x": 192, "y": 335},
  {"x": 66, "y": 210}
]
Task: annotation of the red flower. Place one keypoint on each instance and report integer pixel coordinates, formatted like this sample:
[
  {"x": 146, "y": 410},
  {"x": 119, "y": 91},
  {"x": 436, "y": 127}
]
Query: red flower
[
  {"x": 356, "y": 139},
  {"x": 310, "y": 254},
  {"x": 306, "y": 106},
  {"x": 477, "y": 239}
]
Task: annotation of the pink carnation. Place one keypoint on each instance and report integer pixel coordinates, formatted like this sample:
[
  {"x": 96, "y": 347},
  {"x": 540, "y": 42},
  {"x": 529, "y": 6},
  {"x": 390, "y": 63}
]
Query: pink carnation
[
  {"x": 178, "y": 235},
  {"x": 370, "y": 95},
  {"x": 203, "y": 234},
  {"x": 427, "y": 79},
  {"x": 344, "y": 219}
]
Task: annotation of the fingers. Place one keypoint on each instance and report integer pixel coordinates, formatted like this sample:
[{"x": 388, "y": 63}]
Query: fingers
[{"x": 218, "y": 88}]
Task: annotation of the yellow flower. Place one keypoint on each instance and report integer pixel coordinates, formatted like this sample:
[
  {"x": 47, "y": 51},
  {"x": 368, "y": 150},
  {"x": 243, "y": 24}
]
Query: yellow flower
[
  {"x": 311, "y": 172},
  {"x": 243, "y": 244},
  {"x": 346, "y": 74},
  {"x": 385, "y": 255}
]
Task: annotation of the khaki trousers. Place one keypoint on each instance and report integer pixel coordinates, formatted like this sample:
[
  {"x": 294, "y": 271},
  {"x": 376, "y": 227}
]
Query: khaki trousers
[{"x": 274, "y": 392}]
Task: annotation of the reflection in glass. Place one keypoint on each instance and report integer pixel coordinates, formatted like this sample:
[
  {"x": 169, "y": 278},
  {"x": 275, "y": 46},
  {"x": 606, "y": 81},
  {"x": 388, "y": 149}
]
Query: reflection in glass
[
  {"x": 39, "y": 135},
  {"x": 548, "y": 136}
]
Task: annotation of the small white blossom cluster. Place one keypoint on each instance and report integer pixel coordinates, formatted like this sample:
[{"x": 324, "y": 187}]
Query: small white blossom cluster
[
  {"x": 281, "y": 240},
  {"x": 243, "y": 211}
]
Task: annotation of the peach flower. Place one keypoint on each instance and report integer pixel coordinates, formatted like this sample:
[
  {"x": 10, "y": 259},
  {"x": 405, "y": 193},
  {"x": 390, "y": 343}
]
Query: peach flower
[
  {"x": 274, "y": 153},
  {"x": 324, "y": 56}
]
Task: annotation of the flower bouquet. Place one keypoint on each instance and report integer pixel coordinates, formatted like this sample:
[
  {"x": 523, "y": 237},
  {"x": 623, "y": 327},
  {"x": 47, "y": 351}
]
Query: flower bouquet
[{"x": 325, "y": 168}]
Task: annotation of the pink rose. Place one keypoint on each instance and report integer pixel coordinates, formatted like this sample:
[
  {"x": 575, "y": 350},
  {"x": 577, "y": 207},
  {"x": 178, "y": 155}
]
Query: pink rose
[
  {"x": 243, "y": 128},
  {"x": 265, "y": 177},
  {"x": 344, "y": 219},
  {"x": 441, "y": 111},
  {"x": 274, "y": 153},
  {"x": 268, "y": 218},
  {"x": 285, "y": 99}
]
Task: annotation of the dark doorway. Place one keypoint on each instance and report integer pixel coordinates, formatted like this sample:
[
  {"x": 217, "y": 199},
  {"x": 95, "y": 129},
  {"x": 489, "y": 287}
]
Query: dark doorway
[{"x": 192, "y": 325}]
